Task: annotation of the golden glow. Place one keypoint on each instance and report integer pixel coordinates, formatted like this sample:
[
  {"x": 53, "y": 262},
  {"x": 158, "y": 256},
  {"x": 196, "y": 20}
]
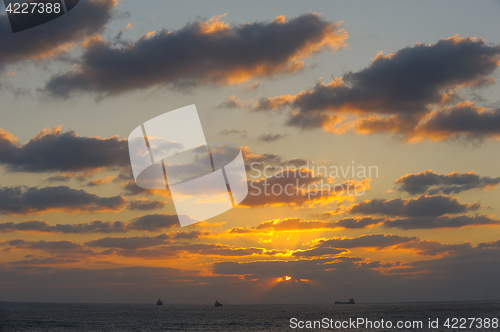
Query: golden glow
[
  {"x": 284, "y": 278},
  {"x": 213, "y": 25}
]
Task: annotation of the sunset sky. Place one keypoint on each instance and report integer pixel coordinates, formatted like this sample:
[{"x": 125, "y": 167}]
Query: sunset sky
[{"x": 409, "y": 89}]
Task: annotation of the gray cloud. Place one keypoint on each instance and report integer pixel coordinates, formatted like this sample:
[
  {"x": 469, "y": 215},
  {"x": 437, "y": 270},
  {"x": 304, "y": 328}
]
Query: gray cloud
[
  {"x": 380, "y": 242},
  {"x": 44, "y": 261},
  {"x": 31, "y": 200},
  {"x": 144, "y": 204},
  {"x": 377, "y": 241},
  {"x": 463, "y": 120},
  {"x": 197, "y": 54},
  {"x": 356, "y": 223},
  {"x": 95, "y": 226},
  {"x": 55, "y": 151},
  {"x": 241, "y": 132},
  {"x": 60, "y": 249},
  {"x": 130, "y": 188},
  {"x": 271, "y": 137},
  {"x": 399, "y": 87},
  {"x": 291, "y": 224},
  {"x": 148, "y": 222},
  {"x": 441, "y": 222},
  {"x": 135, "y": 242},
  {"x": 423, "y": 206},
  {"x": 453, "y": 183},
  {"x": 154, "y": 222},
  {"x": 318, "y": 251},
  {"x": 231, "y": 103}
]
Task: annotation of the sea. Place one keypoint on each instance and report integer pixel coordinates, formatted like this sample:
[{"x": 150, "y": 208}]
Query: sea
[{"x": 16, "y": 316}]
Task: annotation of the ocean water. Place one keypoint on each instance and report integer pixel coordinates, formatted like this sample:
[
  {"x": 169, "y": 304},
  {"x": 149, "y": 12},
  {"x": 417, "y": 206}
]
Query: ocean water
[{"x": 149, "y": 317}]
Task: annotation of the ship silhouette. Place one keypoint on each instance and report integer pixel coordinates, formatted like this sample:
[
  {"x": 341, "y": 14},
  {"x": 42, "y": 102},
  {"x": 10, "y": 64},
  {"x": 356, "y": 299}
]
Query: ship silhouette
[
  {"x": 159, "y": 302},
  {"x": 351, "y": 301},
  {"x": 218, "y": 304}
]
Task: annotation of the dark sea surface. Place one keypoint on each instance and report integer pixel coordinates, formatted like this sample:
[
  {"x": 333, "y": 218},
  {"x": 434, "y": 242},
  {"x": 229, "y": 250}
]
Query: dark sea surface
[{"x": 15, "y": 316}]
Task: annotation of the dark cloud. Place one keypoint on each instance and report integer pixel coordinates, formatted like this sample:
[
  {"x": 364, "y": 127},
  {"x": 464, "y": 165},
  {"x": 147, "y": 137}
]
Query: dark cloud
[
  {"x": 259, "y": 161},
  {"x": 493, "y": 244},
  {"x": 423, "y": 206},
  {"x": 145, "y": 204},
  {"x": 383, "y": 241},
  {"x": 154, "y": 222},
  {"x": 201, "y": 52},
  {"x": 434, "y": 248},
  {"x": 376, "y": 241},
  {"x": 130, "y": 188},
  {"x": 460, "y": 267},
  {"x": 95, "y": 226},
  {"x": 318, "y": 251},
  {"x": 441, "y": 222},
  {"x": 149, "y": 222},
  {"x": 59, "y": 178},
  {"x": 53, "y": 245},
  {"x": 465, "y": 120},
  {"x": 164, "y": 246},
  {"x": 32, "y": 200},
  {"x": 241, "y": 132},
  {"x": 60, "y": 249},
  {"x": 355, "y": 223},
  {"x": 231, "y": 103},
  {"x": 54, "y": 37},
  {"x": 44, "y": 261},
  {"x": 395, "y": 92},
  {"x": 253, "y": 86},
  {"x": 453, "y": 183},
  {"x": 135, "y": 242},
  {"x": 203, "y": 249},
  {"x": 54, "y": 151},
  {"x": 271, "y": 137}
]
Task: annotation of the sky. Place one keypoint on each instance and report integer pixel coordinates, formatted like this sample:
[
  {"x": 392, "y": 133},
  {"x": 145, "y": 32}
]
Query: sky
[{"x": 309, "y": 91}]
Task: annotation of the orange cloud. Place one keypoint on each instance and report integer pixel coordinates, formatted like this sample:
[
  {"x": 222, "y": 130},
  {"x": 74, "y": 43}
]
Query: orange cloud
[
  {"x": 214, "y": 25},
  {"x": 101, "y": 181}
]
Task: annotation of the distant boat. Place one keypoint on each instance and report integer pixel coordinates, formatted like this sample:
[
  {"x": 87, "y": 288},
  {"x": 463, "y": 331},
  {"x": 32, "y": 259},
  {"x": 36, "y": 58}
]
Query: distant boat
[
  {"x": 351, "y": 301},
  {"x": 218, "y": 304},
  {"x": 159, "y": 302}
]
